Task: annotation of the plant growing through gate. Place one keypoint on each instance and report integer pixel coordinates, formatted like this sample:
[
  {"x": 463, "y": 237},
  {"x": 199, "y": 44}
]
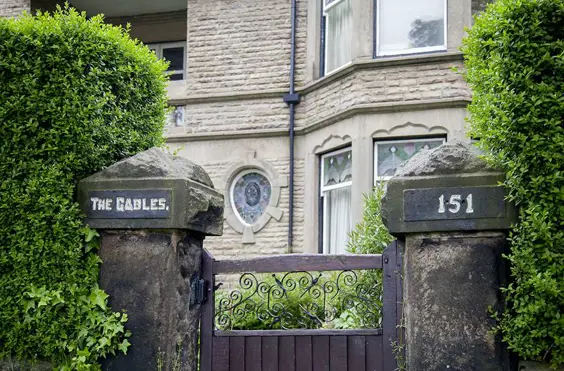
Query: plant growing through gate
[
  {"x": 370, "y": 236},
  {"x": 515, "y": 66},
  {"x": 76, "y": 95}
]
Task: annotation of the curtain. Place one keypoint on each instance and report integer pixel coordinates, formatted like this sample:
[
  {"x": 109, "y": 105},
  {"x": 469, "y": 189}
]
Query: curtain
[
  {"x": 338, "y": 214},
  {"x": 339, "y": 35}
]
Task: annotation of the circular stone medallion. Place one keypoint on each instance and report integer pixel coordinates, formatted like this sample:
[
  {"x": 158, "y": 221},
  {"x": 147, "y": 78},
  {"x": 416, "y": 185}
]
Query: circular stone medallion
[{"x": 250, "y": 196}]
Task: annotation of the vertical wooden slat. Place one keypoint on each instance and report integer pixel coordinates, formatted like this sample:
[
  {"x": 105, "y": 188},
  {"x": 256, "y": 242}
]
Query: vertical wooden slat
[
  {"x": 337, "y": 353},
  {"x": 320, "y": 348},
  {"x": 270, "y": 353},
  {"x": 236, "y": 353},
  {"x": 287, "y": 353},
  {"x": 253, "y": 353},
  {"x": 206, "y": 321},
  {"x": 356, "y": 354},
  {"x": 303, "y": 354},
  {"x": 390, "y": 273},
  {"x": 374, "y": 354},
  {"x": 220, "y": 361}
]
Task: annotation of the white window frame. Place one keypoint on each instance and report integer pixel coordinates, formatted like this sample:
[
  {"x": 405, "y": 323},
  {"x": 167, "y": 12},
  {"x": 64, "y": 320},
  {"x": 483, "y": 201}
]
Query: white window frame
[
  {"x": 323, "y": 190},
  {"x": 158, "y": 48},
  {"x": 399, "y": 140},
  {"x": 425, "y": 49},
  {"x": 325, "y": 9}
]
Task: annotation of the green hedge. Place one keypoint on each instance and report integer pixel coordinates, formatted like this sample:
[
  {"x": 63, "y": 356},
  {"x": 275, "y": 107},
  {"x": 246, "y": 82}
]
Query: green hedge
[
  {"x": 515, "y": 66},
  {"x": 76, "y": 95}
]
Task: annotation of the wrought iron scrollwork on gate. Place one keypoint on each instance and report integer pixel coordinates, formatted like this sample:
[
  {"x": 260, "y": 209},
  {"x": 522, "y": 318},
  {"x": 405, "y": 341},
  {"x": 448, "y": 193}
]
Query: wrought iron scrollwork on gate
[{"x": 306, "y": 300}]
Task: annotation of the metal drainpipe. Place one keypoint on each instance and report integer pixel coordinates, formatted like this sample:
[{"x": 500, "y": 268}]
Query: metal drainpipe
[{"x": 292, "y": 99}]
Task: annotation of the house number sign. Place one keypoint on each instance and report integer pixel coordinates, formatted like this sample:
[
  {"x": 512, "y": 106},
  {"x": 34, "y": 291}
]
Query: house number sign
[
  {"x": 453, "y": 203},
  {"x": 129, "y": 204}
]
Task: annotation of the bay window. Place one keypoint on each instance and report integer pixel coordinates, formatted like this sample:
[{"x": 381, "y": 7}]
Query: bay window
[
  {"x": 336, "y": 184},
  {"x": 410, "y": 26},
  {"x": 338, "y": 33}
]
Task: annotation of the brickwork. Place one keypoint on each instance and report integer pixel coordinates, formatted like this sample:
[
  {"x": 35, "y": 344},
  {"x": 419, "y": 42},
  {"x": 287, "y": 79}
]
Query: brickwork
[
  {"x": 389, "y": 84},
  {"x": 236, "y": 115},
  {"x": 379, "y": 85},
  {"x": 240, "y": 45},
  {"x": 272, "y": 239},
  {"x": 12, "y": 8}
]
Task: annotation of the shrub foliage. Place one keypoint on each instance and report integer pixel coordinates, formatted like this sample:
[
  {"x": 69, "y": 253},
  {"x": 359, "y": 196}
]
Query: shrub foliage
[
  {"x": 76, "y": 95},
  {"x": 515, "y": 66}
]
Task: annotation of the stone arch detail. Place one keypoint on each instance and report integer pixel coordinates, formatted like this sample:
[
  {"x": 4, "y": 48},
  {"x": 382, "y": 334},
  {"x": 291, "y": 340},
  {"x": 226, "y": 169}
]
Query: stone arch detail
[
  {"x": 272, "y": 211},
  {"x": 332, "y": 142},
  {"x": 400, "y": 130}
]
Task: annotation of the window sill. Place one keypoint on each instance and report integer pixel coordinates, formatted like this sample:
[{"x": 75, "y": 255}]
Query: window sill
[
  {"x": 381, "y": 62},
  {"x": 176, "y": 89}
]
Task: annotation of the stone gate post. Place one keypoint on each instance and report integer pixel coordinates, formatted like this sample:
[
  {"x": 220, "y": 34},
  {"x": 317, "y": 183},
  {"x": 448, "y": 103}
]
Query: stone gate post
[
  {"x": 153, "y": 211},
  {"x": 447, "y": 206}
]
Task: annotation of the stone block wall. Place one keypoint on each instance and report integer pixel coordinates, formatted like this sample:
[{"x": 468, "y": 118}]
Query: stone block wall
[
  {"x": 12, "y": 8},
  {"x": 272, "y": 239},
  {"x": 394, "y": 84},
  {"x": 239, "y": 114},
  {"x": 241, "y": 45}
]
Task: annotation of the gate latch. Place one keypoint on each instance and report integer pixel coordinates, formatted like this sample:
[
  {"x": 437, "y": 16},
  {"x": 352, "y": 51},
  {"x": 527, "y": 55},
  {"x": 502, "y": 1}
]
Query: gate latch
[{"x": 197, "y": 290}]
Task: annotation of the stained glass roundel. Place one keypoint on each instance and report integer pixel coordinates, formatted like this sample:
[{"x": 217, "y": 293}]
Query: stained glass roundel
[{"x": 250, "y": 196}]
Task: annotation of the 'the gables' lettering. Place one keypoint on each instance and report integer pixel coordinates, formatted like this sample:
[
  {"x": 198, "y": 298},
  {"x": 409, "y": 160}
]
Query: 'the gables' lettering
[{"x": 128, "y": 204}]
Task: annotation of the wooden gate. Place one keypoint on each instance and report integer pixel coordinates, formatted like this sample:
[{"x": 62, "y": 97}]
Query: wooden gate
[{"x": 300, "y": 349}]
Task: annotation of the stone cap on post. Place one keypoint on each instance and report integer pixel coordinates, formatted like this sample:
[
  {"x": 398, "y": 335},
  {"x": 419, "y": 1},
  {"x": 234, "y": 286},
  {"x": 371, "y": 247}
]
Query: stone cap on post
[
  {"x": 449, "y": 188},
  {"x": 152, "y": 190}
]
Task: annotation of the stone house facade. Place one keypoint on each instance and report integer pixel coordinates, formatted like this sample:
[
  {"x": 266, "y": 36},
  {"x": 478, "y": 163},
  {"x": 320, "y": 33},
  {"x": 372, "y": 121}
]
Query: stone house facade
[{"x": 376, "y": 81}]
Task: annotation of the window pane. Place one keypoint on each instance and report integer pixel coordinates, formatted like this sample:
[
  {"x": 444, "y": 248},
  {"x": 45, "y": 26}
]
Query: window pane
[
  {"x": 176, "y": 58},
  {"x": 390, "y": 155},
  {"x": 409, "y": 24},
  {"x": 338, "y": 35},
  {"x": 337, "y": 168},
  {"x": 337, "y": 217}
]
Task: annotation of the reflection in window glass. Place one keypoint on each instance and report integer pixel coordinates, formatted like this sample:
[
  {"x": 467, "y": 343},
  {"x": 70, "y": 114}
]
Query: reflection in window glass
[
  {"x": 411, "y": 26},
  {"x": 176, "y": 58},
  {"x": 389, "y": 155},
  {"x": 174, "y": 54},
  {"x": 338, "y": 21}
]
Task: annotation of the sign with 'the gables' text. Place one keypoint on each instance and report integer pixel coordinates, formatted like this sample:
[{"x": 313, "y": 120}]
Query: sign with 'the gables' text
[{"x": 129, "y": 204}]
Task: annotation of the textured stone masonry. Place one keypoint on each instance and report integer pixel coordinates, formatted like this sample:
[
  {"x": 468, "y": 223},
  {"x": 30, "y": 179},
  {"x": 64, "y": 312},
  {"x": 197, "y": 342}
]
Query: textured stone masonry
[
  {"x": 242, "y": 45},
  {"x": 12, "y": 8},
  {"x": 273, "y": 238}
]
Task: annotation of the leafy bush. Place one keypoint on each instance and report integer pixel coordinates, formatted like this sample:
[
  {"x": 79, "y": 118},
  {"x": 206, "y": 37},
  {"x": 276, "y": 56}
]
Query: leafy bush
[
  {"x": 370, "y": 236},
  {"x": 76, "y": 95},
  {"x": 515, "y": 66}
]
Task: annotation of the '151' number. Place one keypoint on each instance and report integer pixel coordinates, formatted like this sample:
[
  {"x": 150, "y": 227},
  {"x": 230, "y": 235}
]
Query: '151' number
[{"x": 455, "y": 204}]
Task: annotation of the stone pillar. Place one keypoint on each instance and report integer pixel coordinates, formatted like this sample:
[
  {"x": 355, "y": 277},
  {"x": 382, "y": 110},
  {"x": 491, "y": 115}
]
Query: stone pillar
[
  {"x": 447, "y": 205},
  {"x": 153, "y": 211}
]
